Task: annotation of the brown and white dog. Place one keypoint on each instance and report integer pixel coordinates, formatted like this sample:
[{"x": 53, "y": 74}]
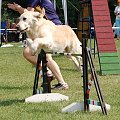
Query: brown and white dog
[{"x": 44, "y": 33}]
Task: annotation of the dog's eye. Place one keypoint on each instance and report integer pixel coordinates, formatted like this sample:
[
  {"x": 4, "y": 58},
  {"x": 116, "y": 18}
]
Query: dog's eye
[{"x": 24, "y": 19}]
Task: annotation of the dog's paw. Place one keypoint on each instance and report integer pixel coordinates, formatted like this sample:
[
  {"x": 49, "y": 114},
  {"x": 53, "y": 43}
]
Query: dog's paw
[
  {"x": 29, "y": 41},
  {"x": 32, "y": 46}
]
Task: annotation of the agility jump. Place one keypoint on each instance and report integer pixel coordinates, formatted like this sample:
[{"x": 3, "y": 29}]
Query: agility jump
[{"x": 87, "y": 57}]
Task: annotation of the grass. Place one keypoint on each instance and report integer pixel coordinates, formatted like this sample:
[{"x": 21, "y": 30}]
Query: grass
[{"x": 16, "y": 83}]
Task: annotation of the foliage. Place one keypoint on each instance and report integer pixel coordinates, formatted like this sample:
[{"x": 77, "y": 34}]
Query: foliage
[
  {"x": 7, "y": 13},
  {"x": 73, "y": 13},
  {"x": 112, "y": 4}
]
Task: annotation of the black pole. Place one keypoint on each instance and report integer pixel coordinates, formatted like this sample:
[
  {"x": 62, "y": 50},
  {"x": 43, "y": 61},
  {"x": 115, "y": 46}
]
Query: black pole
[
  {"x": 46, "y": 82},
  {"x": 37, "y": 74},
  {"x": 96, "y": 83},
  {"x": 85, "y": 72}
]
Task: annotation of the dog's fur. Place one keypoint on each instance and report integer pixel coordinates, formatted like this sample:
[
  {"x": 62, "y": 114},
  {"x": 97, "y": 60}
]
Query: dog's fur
[{"x": 44, "y": 33}]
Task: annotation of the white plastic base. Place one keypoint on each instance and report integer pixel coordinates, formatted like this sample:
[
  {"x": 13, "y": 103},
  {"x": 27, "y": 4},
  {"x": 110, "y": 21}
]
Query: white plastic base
[
  {"x": 47, "y": 97},
  {"x": 7, "y": 45},
  {"x": 80, "y": 107}
]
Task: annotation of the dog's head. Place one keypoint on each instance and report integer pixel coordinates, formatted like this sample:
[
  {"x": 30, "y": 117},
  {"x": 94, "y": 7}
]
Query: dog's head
[{"x": 28, "y": 18}]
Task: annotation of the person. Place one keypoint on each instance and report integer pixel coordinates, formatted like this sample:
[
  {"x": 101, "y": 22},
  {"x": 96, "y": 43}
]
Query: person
[
  {"x": 51, "y": 15},
  {"x": 7, "y": 24},
  {"x": 13, "y": 25},
  {"x": 117, "y": 20}
]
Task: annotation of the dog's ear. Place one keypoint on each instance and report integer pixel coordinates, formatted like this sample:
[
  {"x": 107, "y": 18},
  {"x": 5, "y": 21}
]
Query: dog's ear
[{"x": 38, "y": 14}]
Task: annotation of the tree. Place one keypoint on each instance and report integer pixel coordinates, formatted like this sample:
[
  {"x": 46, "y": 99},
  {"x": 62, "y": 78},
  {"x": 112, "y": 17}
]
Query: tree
[
  {"x": 112, "y": 4},
  {"x": 73, "y": 10},
  {"x": 7, "y": 13}
]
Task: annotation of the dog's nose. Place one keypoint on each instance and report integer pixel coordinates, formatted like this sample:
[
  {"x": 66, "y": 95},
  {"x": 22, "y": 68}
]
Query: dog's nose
[{"x": 17, "y": 27}]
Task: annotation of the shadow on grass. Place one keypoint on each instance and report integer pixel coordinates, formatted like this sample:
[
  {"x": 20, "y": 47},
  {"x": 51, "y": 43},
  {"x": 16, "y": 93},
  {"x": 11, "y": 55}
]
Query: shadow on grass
[
  {"x": 75, "y": 70},
  {"x": 13, "y": 87},
  {"x": 97, "y": 71},
  {"x": 10, "y": 102},
  {"x": 68, "y": 69}
]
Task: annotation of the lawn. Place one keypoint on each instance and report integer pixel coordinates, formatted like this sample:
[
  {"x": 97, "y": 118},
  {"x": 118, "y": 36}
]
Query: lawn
[{"x": 16, "y": 84}]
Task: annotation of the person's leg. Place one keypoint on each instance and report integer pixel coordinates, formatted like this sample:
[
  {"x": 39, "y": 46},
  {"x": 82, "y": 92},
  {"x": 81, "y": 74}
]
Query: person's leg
[
  {"x": 117, "y": 30},
  {"x": 32, "y": 59},
  {"x": 52, "y": 65},
  {"x": 28, "y": 55}
]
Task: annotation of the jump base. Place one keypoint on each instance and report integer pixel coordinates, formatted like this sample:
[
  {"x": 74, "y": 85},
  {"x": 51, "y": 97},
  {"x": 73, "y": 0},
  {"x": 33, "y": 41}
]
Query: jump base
[
  {"x": 80, "y": 107},
  {"x": 47, "y": 97}
]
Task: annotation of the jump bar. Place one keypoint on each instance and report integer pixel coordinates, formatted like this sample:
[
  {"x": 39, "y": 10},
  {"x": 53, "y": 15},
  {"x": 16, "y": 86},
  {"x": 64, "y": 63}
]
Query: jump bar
[{"x": 59, "y": 53}]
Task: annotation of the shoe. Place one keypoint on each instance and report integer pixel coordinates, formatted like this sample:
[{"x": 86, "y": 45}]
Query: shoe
[{"x": 61, "y": 86}]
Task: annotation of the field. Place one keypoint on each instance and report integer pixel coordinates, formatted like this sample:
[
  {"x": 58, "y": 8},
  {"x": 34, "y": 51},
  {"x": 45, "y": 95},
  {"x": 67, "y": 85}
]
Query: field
[{"x": 16, "y": 84}]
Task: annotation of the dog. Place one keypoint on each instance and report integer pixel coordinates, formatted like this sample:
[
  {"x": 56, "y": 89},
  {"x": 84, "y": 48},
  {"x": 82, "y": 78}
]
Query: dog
[{"x": 43, "y": 33}]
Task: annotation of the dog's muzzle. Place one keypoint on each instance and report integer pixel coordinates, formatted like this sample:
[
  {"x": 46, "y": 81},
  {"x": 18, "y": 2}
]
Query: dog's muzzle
[{"x": 22, "y": 31}]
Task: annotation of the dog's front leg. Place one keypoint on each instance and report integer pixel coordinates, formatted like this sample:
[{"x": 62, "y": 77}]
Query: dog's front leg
[
  {"x": 39, "y": 43},
  {"x": 42, "y": 43},
  {"x": 33, "y": 47}
]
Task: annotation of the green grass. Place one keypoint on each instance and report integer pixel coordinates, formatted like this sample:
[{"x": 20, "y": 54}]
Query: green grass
[{"x": 16, "y": 84}]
